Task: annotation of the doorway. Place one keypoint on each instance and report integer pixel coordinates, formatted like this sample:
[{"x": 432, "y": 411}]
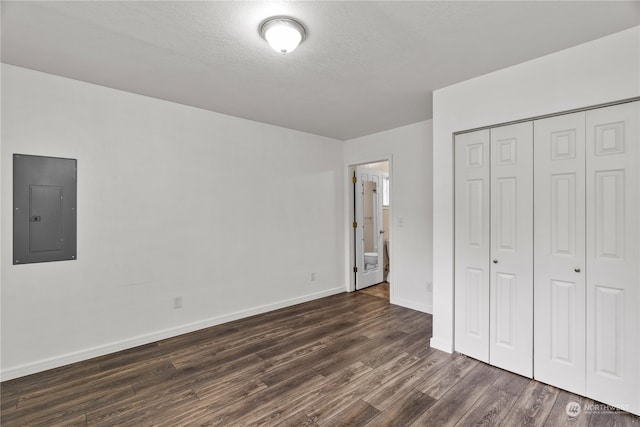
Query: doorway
[{"x": 371, "y": 225}]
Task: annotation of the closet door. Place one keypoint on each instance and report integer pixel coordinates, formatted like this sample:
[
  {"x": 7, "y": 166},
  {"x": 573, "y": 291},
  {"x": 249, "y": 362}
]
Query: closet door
[
  {"x": 613, "y": 255},
  {"x": 511, "y": 268},
  {"x": 472, "y": 244},
  {"x": 559, "y": 251}
]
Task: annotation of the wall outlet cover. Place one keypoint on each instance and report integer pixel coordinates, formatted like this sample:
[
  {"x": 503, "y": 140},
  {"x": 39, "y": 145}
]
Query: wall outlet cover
[{"x": 177, "y": 302}]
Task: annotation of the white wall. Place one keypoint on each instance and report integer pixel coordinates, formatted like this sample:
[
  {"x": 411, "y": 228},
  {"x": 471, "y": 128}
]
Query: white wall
[
  {"x": 409, "y": 148},
  {"x": 604, "y": 70},
  {"x": 230, "y": 214}
]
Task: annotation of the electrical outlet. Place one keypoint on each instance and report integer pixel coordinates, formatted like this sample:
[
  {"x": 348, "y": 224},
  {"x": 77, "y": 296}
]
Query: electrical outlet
[
  {"x": 429, "y": 287},
  {"x": 313, "y": 276},
  {"x": 177, "y": 302}
]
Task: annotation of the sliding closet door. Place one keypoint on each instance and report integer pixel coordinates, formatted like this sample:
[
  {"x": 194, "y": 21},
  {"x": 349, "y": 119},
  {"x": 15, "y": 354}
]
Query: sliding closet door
[
  {"x": 613, "y": 255},
  {"x": 511, "y": 268},
  {"x": 559, "y": 251},
  {"x": 472, "y": 244}
]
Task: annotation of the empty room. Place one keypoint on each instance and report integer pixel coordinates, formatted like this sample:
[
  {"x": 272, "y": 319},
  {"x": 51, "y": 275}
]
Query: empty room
[{"x": 320, "y": 213}]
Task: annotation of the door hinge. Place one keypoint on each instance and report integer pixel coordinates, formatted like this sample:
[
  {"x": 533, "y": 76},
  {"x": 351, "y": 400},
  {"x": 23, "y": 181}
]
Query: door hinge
[
  {"x": 354, "y": 179},
  {"x": 355, "y": 224},
  {"x": 355, "y": 269}
]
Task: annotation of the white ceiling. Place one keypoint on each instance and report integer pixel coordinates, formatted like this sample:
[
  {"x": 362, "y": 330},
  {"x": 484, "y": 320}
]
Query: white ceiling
[{"x": 365, "y": 66}]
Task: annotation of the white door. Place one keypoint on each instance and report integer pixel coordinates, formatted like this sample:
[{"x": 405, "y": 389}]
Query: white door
[
  {"x": 511, "y": 277},
  {"x": 559, "y": 251},
  {"x": 472, "y": 244},
  {"x": 613, "y": 255},
  {"x": 369, "y": 230}
]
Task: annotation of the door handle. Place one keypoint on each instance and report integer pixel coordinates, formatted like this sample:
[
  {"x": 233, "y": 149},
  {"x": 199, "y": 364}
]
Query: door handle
[
  {"x": 577, "y": 270},
  {"x": 495, "y": 261}
]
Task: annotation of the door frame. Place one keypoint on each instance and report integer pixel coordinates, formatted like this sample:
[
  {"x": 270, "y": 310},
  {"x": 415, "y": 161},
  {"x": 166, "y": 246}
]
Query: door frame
[{"x": 350, "y": 249}]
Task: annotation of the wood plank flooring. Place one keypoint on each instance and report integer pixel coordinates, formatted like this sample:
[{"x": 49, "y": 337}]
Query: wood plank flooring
[
  {"x": 380, "y": 290},
  {"x": 346, "y": 360}
]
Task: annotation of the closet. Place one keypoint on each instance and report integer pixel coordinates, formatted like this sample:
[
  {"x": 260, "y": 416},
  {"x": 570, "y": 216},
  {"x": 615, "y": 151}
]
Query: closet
[
  {"x": 494, "y": 246},
  {"x": 547, "y": 250}
]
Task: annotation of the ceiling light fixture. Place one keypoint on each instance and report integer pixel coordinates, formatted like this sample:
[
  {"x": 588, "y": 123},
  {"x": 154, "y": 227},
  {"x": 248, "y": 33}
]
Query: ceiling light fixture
[{"x": 283, "y": 33}]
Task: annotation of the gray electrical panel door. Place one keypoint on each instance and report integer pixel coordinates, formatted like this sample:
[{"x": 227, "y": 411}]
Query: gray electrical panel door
[{"x": 44, "y": 209}]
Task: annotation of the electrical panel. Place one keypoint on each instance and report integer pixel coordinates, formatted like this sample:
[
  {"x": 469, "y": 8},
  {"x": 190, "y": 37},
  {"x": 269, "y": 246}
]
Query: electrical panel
[{"x": 44, "y": 209}]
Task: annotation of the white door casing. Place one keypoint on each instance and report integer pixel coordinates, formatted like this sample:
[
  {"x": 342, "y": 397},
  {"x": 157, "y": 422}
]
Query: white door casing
[
  {"x": 613, "y": 255},
  {"x": 511, "y": 268},
  {"x": 559, "y": 251},
  {"x": 472, "y": 244},
  {"x": 371, "y": 223}
]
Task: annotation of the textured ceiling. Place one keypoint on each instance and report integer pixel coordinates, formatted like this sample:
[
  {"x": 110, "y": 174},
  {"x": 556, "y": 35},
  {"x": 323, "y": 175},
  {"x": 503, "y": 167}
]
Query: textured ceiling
[{"x": 365, "y": 66}]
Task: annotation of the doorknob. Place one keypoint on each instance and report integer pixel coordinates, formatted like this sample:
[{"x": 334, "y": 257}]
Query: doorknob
[
  {"x": 495, "y": 261},
  {"x": 577, "y": 270},
  {"x": 381, "y": 231}
]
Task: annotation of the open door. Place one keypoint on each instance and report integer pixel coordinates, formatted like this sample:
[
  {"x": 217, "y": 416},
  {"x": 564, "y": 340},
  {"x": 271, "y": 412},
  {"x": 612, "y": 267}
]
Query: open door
[{"x": 369, "y": 231}]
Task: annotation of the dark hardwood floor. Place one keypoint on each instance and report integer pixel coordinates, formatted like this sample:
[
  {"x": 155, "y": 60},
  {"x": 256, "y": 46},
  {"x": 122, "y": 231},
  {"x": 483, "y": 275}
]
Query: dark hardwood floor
[
  {"x": 346, "y": 360},
  {"x": 381, "y": 290}
]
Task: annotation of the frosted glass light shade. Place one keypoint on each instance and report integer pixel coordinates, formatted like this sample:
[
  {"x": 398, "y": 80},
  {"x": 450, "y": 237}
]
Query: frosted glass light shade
[
  {"x": 282, "y": 33},
  {"x": 282, "y": 38}
]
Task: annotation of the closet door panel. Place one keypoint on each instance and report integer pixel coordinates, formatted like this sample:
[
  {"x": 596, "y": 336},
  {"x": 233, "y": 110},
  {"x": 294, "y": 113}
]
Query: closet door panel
[
  {"x": 511, "y": 269},
  {"x": 613, "y": 254},
  {"x": 472, "y": 244},
  {"x": 559, "y": 251}
]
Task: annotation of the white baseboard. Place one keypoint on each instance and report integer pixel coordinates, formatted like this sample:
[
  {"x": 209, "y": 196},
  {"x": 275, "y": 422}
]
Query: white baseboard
[
  {"x": 425, "y": 308},
  {"x": 447, "y": 347},
  {"x": 89, "y": 353}
]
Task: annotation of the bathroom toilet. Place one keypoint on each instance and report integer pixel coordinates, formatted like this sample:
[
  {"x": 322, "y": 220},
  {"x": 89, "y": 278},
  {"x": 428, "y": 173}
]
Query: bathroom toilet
[{"x": 370, "y": 259}]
